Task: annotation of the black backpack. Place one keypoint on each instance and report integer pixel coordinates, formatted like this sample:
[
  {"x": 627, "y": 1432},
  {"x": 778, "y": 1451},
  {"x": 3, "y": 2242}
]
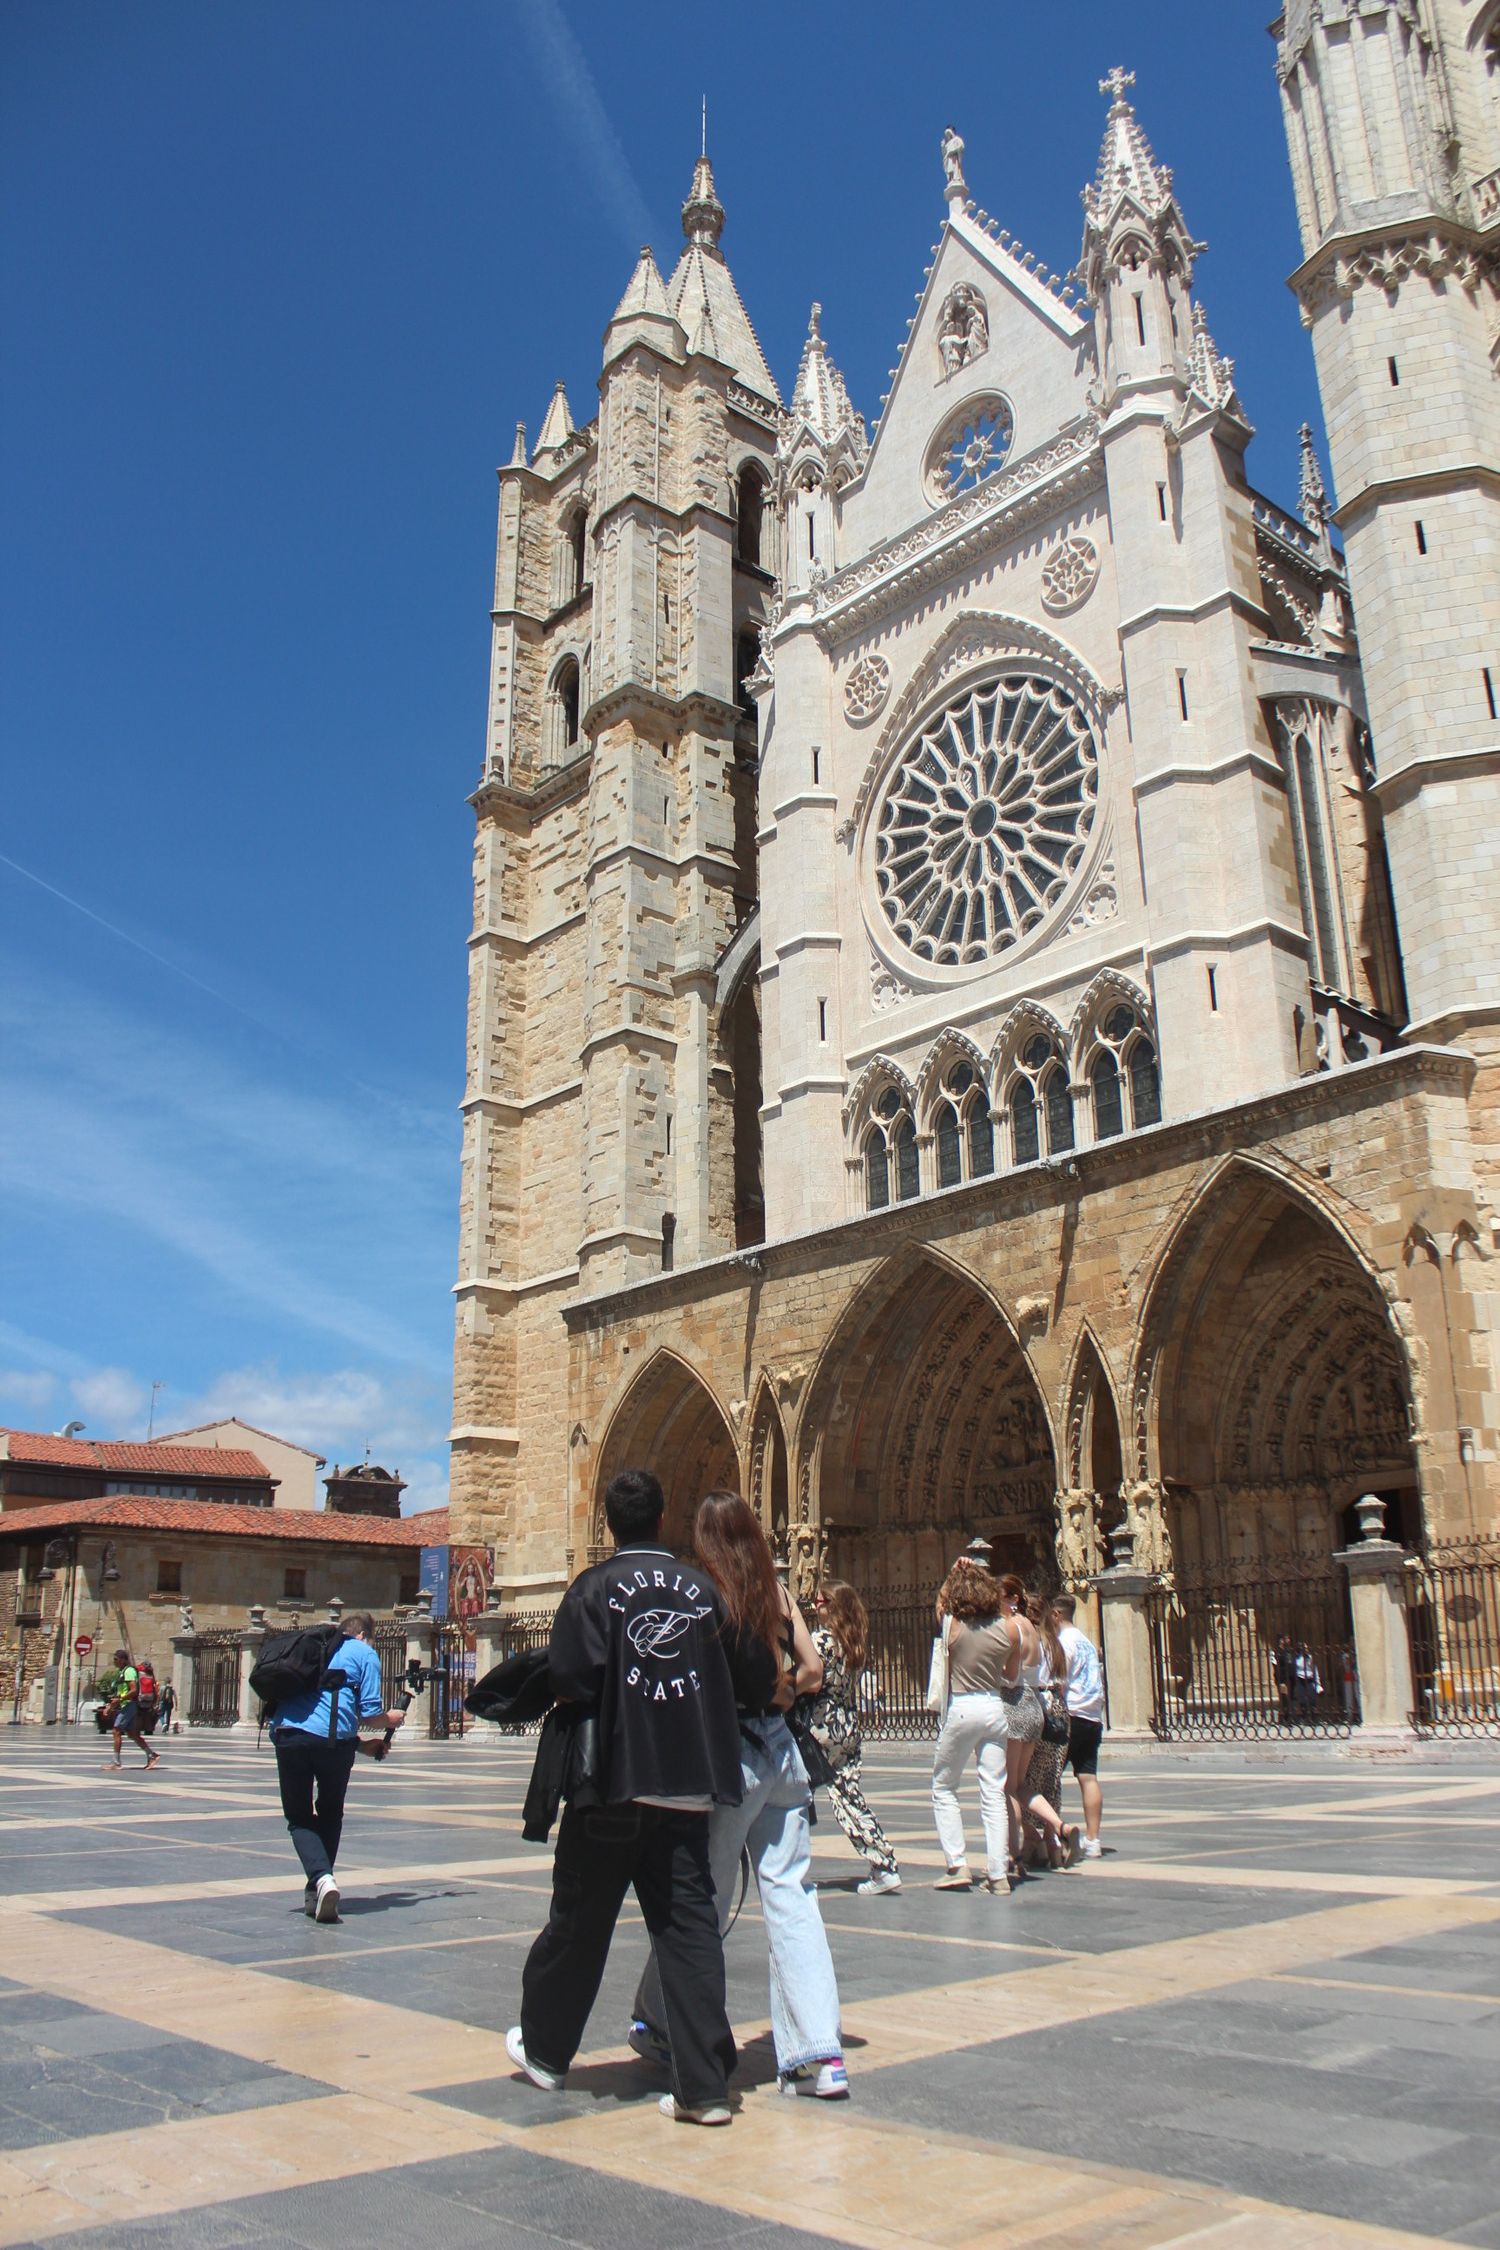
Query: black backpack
[{"x": 291, "y": 1663}]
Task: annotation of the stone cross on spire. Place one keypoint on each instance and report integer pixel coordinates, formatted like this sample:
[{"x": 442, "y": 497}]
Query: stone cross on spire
[{"x": 1115, "y": 84}]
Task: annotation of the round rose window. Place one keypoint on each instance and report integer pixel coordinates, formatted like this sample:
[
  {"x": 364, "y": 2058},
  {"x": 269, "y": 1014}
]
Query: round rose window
[
  {"x": 985, "y": 819},
  {"x": 971, "y": 446}
]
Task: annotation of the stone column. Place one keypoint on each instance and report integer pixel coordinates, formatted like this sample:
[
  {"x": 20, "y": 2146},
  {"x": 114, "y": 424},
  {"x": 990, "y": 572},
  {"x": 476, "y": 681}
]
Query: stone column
[
  {"x": 250, "y": 1644},
  {"x": 1382, "y": 1648},
  {"x": 1126, "y": 1637},
  {"x": 184, "y": 1644},
  {"x": 420, "y": 1634}
]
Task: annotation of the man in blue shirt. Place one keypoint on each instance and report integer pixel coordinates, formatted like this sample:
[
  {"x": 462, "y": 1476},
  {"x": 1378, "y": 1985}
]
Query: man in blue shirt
[{"x": 316, "y": 1735}]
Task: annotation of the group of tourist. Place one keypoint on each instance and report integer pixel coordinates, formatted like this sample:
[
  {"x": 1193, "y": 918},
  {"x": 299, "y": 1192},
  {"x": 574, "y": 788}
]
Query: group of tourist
[{"x": 696, "y": 1708}]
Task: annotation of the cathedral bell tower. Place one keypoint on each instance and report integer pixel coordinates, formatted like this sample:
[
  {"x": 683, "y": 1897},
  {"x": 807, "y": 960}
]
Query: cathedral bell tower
[{"x": 1392, "y": 113}]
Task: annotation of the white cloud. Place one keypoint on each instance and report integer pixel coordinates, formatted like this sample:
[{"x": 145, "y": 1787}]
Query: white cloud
[
  {"x": 596, "y": 145},
  {"x": 26, "y": 1390},
  {"x": 112, "y": 1401}
]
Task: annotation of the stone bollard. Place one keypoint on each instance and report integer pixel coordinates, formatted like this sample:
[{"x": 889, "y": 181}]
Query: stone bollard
[
  {"x": 1382, "y": 1646},
  {"x": 1125, "y": 1638},
  {"x": 184, "y": 1646}
]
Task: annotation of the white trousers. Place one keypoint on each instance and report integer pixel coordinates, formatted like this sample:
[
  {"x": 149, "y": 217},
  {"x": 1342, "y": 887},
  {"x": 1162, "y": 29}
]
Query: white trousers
[{"x": 975, "y": 1726}]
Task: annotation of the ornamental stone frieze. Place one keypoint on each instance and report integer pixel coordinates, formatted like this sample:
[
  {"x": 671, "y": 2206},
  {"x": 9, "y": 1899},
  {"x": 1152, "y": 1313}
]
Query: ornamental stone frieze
[
  {"x": 1438, "y": 255},
  {"x": 1040, "y": 484}
]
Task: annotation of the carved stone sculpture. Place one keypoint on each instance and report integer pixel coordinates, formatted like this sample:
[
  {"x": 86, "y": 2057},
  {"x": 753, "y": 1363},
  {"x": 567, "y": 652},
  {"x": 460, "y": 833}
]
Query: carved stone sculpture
[
  {"x": 953, "y": 163},
  {"x": 963, "y": 328}
]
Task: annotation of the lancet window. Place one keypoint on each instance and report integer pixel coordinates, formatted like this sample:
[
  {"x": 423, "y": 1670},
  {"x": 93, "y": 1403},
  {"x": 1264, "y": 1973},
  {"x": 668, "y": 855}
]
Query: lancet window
[
  {"x": 963, "y": 1136},
  {"x": 1304, "y": 767},
  {"x": 1039, "y": 1101},
  {"x": 572, "y": 571},
  {"x": 890, "y": 1153},
  {"x": 565, "y": 703},
  {"x": 1123, "y": 1077},
  {"x": 751, "y": 514}
]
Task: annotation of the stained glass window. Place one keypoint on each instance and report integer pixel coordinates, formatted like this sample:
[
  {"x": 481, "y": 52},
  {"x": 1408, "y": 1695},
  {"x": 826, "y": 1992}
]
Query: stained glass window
[
  {"x": 1108, "y": 1115},
  {"x": 949, "y": 1146}
]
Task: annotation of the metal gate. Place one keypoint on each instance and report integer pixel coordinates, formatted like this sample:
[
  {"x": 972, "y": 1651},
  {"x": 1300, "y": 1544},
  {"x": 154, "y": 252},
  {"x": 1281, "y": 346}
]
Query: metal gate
[
  {"x": 452, "y": 1662},
  {"x": 893, "y": 1685},
  {"x": 1453, "y": 1613},
  {"x": 390, "y": 1647},
  {"x": 215, "y": 1700},
  {"x": 1244, "y": 1650}
]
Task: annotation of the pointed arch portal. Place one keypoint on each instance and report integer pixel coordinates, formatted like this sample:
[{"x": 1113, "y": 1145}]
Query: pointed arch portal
[
  {"x": 929, "y": 1427},
  {"x": 668, "y": 1422},
  {"x": 1273, "y": 1388}
]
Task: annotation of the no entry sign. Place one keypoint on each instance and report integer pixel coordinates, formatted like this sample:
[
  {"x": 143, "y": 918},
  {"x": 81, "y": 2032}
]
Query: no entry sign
[{"x": 83, "y": 1646}]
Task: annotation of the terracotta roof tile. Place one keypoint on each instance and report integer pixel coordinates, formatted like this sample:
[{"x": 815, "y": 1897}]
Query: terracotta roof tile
[
  {"x": 225, "y": 1520},
  {"x": 36, "y": 1448}
]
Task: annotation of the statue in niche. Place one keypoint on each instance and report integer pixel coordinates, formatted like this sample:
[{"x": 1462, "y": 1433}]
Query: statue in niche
[
  {"x": 963, "y": 328},
  {"x": 1080, "y": 1552}
]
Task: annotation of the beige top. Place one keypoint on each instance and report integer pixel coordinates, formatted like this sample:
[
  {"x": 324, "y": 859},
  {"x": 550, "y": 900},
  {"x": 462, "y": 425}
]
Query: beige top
[{"x": 977, "y": 1656}]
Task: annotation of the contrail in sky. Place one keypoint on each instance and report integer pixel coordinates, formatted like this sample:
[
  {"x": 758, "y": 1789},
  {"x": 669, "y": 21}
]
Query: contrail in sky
[
  {"x": 598, "y": 146},
  {"x": 125, "y": 938}
]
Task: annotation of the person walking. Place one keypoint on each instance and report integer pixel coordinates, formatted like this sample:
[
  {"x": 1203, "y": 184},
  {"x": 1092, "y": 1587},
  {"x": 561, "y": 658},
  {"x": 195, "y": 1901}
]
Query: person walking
[
  {"x": 1050, "y": 1840},
  {"x": 647, "y": 1644},
  {"x": 1085, "y": 1699},
  {"x": 315, "y": 1734},
  {"x": 168, "y": 1709},
  {"x": 840, "y": 1637},
  {"x": 983, "y": 1657},
  {"x": 127, "y": 1724},
  {"x": 1023, "y": 1710},
  {"x": 771, "y": 1821}
]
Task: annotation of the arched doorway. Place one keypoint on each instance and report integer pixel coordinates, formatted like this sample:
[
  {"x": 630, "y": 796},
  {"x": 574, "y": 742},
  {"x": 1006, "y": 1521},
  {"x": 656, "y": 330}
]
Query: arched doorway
[
  {"x": 670, "y": 1423},
  {"x": 1272, "y": 1387},
  {"x": 1094, "y": 1502},
  {"x": 927, "y": 1427}
]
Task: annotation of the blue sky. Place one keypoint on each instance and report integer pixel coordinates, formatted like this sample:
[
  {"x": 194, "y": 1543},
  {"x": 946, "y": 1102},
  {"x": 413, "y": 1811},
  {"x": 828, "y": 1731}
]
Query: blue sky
[{"x": 279, "y": 281}]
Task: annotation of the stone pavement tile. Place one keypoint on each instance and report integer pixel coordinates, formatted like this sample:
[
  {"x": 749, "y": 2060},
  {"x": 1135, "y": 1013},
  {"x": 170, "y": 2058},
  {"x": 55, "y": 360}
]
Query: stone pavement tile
[{"x": 50, "y": 2097}]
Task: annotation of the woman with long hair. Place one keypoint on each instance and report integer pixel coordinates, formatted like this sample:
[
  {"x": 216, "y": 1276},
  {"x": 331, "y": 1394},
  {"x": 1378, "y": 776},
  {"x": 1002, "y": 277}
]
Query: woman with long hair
[
  {"x": 771, "y": 1822},
  {"x": 841, "y": 1637},
  {"x": 1023, "y": 1705},
  {"x": 983, "y": 1655},
  {"x": 1050, "y": 1840}
]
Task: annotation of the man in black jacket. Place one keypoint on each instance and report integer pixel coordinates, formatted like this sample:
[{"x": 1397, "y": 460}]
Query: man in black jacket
[{"x": 642, "y": 1640}]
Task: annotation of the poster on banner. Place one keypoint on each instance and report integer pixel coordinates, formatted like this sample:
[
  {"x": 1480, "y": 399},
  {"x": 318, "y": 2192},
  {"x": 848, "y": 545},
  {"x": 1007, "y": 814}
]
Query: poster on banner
[
  {"x": 432, "y": 1578},
  {"x": 471, "y": 1572}
]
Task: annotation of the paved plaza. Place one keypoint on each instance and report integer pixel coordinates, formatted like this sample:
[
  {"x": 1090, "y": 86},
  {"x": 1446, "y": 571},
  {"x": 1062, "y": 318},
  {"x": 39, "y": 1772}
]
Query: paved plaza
[{"x": 1270, "y": 2015}]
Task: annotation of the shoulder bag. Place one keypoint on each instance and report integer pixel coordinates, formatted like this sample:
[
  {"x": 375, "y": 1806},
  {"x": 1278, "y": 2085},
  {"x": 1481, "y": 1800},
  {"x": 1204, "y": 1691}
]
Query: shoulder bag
[{"x": 937, "y": 1673}]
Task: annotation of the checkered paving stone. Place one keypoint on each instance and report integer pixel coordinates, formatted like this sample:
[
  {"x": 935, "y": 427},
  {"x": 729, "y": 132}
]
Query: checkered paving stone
[{"x": 1270, "y": 2014}]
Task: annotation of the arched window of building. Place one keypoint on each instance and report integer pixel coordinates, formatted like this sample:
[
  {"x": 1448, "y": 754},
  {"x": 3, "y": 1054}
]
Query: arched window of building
[
  {"x": 1025, "y": 1142},
  {"x": 949, "y": 1144},
  {"x": 746, "y": 658},
  {"x": 904, "y": 1145},
  {"x": 566, "y": 702},
  {"x": 1124, "y": 1065},
  {"x": 752, "y": 509},
  {"x": 877, "y": 1170},
  {"x": 1059, "y": 1099},
  {"x": 570, "y": 569},
  {"x": 981, "y": 1137},
  {"x": 1304, "y": 767},
  {"x": 890, "y": 1151},
  {"x": 1039, "y": 1100}
]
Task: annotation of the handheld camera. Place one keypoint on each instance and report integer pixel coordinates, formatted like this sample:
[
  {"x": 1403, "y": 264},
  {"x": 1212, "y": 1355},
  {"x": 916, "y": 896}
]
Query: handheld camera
[{"x": 415, "y": 1679}]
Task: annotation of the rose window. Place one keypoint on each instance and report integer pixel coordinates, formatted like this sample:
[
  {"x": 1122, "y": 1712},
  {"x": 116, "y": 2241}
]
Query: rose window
[
  {"x": 985, "y": 819},
  {"x": 970, "y": 448}
]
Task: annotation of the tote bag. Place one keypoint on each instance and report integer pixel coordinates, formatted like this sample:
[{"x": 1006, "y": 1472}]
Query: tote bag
[{"x": 937, "y": 1674}]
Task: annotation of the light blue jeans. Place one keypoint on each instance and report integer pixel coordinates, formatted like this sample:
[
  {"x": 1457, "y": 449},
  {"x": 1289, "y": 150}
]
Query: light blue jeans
[{"x": 771, "y": 1822}]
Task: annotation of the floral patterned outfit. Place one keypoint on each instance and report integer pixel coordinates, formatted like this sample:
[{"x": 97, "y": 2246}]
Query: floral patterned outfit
[{"x": 834, "y": 1719}]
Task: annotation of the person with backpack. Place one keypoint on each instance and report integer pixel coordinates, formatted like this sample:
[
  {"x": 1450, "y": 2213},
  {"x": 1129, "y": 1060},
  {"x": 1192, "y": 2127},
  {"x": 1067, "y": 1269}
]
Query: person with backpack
[
  {"x": 129, "y": 1686},
  {"x": 319, "y": 1687}
]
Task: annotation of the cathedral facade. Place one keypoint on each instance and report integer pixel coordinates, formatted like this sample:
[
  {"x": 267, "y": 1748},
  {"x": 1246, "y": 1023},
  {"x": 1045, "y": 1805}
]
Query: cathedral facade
[{"x": 985, "y": 973}]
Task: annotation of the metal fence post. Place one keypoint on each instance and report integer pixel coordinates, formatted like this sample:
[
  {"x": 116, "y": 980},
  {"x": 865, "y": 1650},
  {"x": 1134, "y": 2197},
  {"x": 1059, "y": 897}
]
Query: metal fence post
[{"x": 1377, "y": 1599}]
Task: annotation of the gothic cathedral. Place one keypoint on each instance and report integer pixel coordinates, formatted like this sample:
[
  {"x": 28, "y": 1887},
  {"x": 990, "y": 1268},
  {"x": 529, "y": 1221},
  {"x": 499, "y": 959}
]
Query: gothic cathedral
[{"x": 985, "y": 977}]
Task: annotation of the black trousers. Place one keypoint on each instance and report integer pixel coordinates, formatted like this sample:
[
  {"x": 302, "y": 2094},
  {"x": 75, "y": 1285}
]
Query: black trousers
[
  {"x": 664, "y": 1856},
  {"x": 314, "y": 1776}
]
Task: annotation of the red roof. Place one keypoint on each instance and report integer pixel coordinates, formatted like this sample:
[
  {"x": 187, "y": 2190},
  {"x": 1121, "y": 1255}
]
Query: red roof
[
  {"x": 36, "y": 1448},
  {"x": 225, "y": 1520}
]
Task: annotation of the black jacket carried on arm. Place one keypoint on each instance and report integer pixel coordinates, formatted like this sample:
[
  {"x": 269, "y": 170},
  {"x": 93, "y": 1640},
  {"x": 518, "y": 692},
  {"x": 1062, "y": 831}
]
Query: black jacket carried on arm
[{"x": 642, "y": 1639}]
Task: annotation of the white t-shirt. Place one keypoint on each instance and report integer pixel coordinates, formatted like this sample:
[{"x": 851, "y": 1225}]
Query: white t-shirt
[{"x": 1085, "y": 1681}]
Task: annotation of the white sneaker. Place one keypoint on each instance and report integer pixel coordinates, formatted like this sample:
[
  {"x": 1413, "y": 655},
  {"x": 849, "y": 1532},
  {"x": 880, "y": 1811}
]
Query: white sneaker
[
  {"x": 310, "y": 1900},
  {"x": 879, "y": 1883},
  {"x": 826, "y": 2082},
  {"x": 326, "y": 1903},
  {"x": 1091, "y": 1848},
  {"x": 713, "y": 2113},
  {"x": 550, "y": 2081}
]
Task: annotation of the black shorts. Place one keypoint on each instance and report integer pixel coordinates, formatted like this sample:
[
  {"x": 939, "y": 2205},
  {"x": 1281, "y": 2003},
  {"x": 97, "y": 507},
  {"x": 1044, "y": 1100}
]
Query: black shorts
[{"x": 1084, "y": 1738}]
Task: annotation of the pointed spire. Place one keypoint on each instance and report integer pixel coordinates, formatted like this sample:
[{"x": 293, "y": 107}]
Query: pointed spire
[
  {"x": 518, "y": 451},
  {"x": 557, "y": 424},
  {"x": 1213, "y": 374},
  {"x": 703, "y": 213},
  {"x": 1131, "y": 190},
  {"x": 646, "y": 292},
  {"x": 821, "y": 407},
  {"x": 1312, "y": 494}
]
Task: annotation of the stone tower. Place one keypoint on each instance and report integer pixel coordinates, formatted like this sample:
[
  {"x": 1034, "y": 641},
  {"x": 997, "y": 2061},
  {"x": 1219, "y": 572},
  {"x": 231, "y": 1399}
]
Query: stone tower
[
  {"x": 611, "y": 1124},
  {"x": 1392, "y": 111}
]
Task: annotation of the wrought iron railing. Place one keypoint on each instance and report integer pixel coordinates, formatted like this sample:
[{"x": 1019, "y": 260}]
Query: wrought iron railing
[
  {"x": 390, "y": 1647},
  {"x": 893, "y": 1686},
  {"x": 1453, "y": 1614},
  {"x": 452, "y": 1662},
  {"x": 1240, "y": 1651},
  {"x": 215, "y": 1698}
]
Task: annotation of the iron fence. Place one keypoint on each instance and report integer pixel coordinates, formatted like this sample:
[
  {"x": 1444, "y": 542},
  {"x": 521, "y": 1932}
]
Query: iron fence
[
  {"x": 452, "y": 1662},
  {"x": 1453, "y": 1616},
  {"x": 390, "y": 1647},
  {"x": 1253, "y": 1650},
  {"x": 893, "y": 1685},
  {"x": 215, "y": 1698}
]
